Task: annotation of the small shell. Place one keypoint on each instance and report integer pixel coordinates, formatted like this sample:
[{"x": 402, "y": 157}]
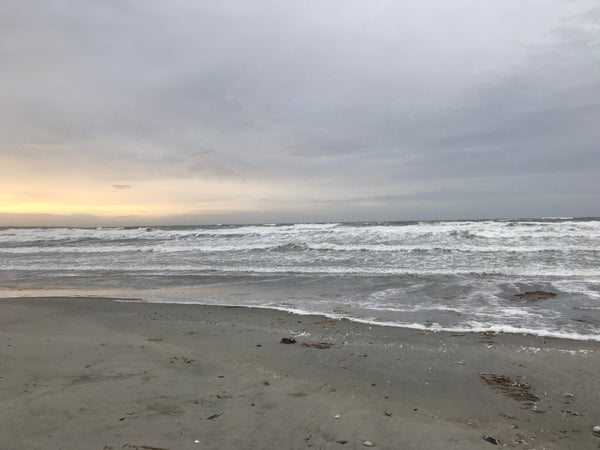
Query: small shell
[{"x": 368, "y": 444}]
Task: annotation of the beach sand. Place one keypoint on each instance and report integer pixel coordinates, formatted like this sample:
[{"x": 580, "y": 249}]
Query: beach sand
[{"x": 92, "y": 373}]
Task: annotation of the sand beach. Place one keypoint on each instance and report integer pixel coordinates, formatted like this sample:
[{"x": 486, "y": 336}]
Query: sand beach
[{"x": 98, "y": 373}]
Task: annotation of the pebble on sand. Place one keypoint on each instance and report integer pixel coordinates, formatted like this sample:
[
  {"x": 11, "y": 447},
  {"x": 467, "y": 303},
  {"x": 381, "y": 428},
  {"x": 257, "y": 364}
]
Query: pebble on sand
[
  {"x": 491, "y": 440},
  {"x": 596, "y": 430},
  {"x": 368, "y": 444}
]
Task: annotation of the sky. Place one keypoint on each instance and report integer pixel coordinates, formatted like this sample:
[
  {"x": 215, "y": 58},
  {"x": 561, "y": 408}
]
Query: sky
[{"x": 197, "y": 112}]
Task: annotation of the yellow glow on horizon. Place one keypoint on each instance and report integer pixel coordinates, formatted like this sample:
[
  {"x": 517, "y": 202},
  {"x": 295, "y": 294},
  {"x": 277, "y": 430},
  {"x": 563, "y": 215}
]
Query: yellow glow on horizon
[
  {"x": 114, "y": 210},
  {"x": 30, "y": 187},
  {"x": 65, "y": 208},
  {"x": 149, "y": 198}
]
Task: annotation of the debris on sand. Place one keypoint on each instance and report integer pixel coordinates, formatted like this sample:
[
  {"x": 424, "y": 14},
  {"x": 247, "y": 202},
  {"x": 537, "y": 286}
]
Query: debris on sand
[
  {"x": 487, "y": 337},
  {"x": 287, "y": 341},
  {"x": 320, "y": 345},
  {"x": 538, "y": 411},
  {"x": 142, "y": 447},
  {"x": 534, "y": 296},
  {"x": 183, "y": 359},
  {"x": 514, "y": 389},
  {"x": 491, "y": 440},
  {"x": 214, "y": 416}
]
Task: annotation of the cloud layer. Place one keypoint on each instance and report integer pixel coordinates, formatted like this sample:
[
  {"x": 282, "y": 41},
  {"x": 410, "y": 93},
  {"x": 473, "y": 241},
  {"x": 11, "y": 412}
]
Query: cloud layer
[{"x": 343, "y": 110}]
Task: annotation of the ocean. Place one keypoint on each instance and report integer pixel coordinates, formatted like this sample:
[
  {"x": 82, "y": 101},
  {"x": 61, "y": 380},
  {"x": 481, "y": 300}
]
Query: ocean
[{"x": 459, "y": 276}]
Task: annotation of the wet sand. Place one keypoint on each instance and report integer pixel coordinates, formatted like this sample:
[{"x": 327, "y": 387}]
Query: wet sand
[{"x": 101, "y": 374}]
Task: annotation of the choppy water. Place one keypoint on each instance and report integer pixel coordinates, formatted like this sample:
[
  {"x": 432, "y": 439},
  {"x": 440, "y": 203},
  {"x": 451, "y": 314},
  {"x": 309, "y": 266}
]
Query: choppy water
[{"x": 455, "y": 275}]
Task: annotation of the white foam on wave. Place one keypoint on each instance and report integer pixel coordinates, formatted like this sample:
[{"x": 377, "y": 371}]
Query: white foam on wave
[
  {"x": 589, "y": 287},
  {"x": 558, "y": 218},
  {"x": 460, "y": 306},
  {"x": 172, "y": 268},
  {"x": 480, "y": 328},
  {"x": 512, "y": 248},
  {"x": 535, "y": 350}
]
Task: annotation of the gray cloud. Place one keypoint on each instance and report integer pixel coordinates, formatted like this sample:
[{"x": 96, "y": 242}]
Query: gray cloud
[{"x": 391, "y": 109}]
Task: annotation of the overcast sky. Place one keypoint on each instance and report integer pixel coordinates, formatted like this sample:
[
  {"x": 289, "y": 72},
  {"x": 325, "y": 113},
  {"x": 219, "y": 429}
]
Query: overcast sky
[{"x": 196, "y": 111}]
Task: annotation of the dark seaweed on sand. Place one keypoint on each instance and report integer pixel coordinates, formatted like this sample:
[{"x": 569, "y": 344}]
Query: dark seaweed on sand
[
  {"x": 511, "y": 388},
  {"x": 319, "y": 345}
]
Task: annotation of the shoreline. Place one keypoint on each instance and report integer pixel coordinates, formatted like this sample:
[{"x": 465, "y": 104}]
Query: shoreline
[
  {"x": 105, "y": 373},
  {"x": 434, "y": 328}
]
